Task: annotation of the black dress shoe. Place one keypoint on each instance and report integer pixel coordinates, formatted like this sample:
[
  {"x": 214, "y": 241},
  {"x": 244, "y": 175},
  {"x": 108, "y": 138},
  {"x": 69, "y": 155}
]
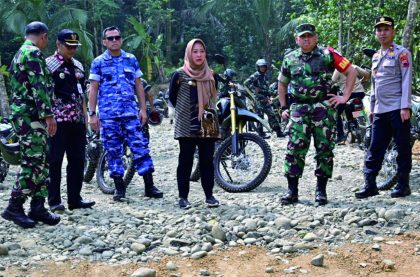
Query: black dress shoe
[
  {"x": 83, "y": 204},
  {"x": 56, "y": 208},
  {"x": 400, "y": 192}
]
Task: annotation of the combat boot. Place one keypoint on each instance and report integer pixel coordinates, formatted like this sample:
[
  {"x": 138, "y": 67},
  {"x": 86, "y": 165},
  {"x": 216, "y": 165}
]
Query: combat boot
[
  {"x": 119, "y": 191},
  {"x": 369, "y": 188},
  {"x": 38, "y": 212},
  {"x": 292, "y": 193},
  {"x": 260, "y": 131},
  {"x": 149, "y": 189},
  {"x": 15, "y": 212},
  {"x": 321, "y": 191},
  {"x": 402, "y": 189}
]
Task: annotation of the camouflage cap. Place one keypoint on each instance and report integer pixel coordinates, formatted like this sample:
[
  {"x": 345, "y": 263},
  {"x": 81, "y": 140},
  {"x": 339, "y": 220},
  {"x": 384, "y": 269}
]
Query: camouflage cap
[
  {"x": 384, "y": 20},
  {"x": 305, "y": 28}
]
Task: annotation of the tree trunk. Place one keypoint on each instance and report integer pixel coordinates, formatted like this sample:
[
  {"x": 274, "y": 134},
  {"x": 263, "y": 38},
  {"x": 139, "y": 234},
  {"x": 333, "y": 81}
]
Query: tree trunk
[
  {"x": 4, "y": 100},
  {"x": 413, "y": 9},
  {"x": 340, "y": 28},
  {"x": 348, "y": 52}
]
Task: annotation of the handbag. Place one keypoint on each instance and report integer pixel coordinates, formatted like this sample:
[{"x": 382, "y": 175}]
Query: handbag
[{"x": 210, "y": 124}]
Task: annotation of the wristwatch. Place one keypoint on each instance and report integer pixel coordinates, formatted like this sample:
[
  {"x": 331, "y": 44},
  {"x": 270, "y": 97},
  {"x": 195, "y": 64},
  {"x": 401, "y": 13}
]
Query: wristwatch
[{"x": 91, "y": 113}]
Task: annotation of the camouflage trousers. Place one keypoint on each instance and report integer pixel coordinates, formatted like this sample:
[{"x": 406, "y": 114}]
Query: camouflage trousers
[
  {"x": 32, "y": 178},
  {"x": 128, "y": 130},
  {"x": 315, "y": 120},
  {"x": 264, "y": 107}
]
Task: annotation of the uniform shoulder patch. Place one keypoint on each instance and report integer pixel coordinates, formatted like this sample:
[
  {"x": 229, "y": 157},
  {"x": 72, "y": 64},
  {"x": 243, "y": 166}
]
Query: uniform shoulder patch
[{"x": 404, "y": 59}]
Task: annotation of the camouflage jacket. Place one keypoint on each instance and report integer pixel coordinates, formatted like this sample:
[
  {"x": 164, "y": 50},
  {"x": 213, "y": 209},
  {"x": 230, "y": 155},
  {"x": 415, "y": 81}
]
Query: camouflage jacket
[
  {"x": 260, "y": 81},
  {"x": 31, "y": 84},
  {"x": 310, "y": 74},
  {"x": 116, "y": 77}
]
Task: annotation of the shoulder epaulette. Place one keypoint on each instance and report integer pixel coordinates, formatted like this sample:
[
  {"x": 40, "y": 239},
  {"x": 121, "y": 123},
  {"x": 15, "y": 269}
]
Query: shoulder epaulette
[{"x": 53, "y": 63}]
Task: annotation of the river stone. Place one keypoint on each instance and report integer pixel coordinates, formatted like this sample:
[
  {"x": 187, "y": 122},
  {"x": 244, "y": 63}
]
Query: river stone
[
  {"x": 4, "y": 250},
  {"x": 198, "y": 255},
  {"x": 218, "y": 233},
  {"x": 394, "y": 214},
  {"x": 171, "y": 266},
  {"x": 282, "y": 222},
  {"x": 318, "y": 260},
  {"x": 144, "y": 272},
  {"x": 138, "y": 247}
]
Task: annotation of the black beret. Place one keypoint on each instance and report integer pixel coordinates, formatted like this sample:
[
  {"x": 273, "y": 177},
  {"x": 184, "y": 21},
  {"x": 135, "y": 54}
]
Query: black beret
[{"x": 36, "y": 28}]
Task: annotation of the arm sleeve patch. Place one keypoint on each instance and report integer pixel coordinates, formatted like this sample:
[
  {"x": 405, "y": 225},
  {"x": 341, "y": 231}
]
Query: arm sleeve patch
[
  {"x": 404, "y": 59},
  {"x": 340, "y": 62}
]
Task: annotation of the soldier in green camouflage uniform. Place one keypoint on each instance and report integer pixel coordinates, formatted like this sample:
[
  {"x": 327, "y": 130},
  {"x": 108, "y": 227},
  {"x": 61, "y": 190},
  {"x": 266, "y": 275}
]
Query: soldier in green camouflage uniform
[
  {"x": 309, "y": 70},
  {"x": 33, "y": 121},
  {"x": 259, "y": 84}
]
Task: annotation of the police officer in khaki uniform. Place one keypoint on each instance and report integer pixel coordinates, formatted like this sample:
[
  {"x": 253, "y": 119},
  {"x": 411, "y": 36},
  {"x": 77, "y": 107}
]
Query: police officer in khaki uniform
[{"x": 390, "y": 108}]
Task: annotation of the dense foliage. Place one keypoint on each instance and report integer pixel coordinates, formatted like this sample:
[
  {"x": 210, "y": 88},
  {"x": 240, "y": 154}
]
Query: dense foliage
[{"x": 156, "y": 31}]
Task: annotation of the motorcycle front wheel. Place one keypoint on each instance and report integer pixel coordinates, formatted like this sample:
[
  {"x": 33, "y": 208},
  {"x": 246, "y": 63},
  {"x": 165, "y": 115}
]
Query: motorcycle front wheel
[
  {"x": 105, "y": 182},
  {"x": 246, "y": 170}
]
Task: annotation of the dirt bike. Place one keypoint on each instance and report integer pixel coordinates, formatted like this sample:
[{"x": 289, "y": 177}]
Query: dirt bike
[
  {"x": 9, "y": 149},
  {"x": 355, "y": 122},
  {"x": 242, "y": 160},
  {"x": 161, "y": 103},
  {"x": 387, "y": 177},
  {"x": 95, "y": 162}
]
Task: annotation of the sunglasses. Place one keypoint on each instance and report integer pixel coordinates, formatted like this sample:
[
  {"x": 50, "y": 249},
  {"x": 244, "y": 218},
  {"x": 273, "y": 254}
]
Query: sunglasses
[
  {"x": 72, "y": 47},
  {"x": 112, "y": 38}
]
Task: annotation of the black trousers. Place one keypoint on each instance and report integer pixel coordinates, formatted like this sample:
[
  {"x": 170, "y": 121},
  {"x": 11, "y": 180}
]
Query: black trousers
[
  {"x": 385, "y": 127},
  {"x": 187, "y": 148},
  {"x": 70, "y": 139}
]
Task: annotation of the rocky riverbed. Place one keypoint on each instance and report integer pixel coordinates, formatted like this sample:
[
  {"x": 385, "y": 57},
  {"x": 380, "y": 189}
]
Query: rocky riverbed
[{"x": 144, "y": 230}]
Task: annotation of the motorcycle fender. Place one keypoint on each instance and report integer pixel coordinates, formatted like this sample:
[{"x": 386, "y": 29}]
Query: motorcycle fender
[{"x": 245, "y": 115}]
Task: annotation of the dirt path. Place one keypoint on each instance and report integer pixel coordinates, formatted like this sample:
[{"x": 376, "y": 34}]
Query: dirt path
[{"x": 348, "y": 260}]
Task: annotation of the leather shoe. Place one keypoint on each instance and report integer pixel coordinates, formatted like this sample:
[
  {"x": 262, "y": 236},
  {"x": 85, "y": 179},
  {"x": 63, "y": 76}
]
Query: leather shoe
[
  {"x": 400, "y": 192},
  {"x": 83, "y": 204},
  {"x": 56, "y": 208}
]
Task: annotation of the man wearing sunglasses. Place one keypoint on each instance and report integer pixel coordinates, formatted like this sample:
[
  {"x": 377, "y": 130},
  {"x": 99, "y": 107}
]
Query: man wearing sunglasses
[
  {"x": 114, "y": 83},
  {"x": 69, "y": 108}
]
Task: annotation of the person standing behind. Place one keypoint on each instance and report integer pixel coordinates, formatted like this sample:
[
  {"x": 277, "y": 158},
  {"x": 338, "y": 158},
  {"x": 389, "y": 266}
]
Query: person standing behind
[
  {"x": 358, "y": 92},
  {"x": 309, "y": 70},
  {"x": 192, "y": 89},
  {"x": 33, "y": 121},
  {"x": 390, "y": 105},
  {"x": 69, "y": 108},
  {"x": 114, "y": 81},
  {"x": 259, "y": 84}
]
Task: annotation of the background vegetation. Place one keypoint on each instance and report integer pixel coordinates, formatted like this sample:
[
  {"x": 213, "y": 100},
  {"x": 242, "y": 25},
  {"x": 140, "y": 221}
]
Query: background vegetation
[{"x": 156, "y": 31}]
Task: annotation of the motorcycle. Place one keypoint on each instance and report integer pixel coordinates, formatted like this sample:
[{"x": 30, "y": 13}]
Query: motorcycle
[
  {"x": 355, "y": 122},
  {"x": 96, "y": 163},
  {"x": 242, "y": 160},
  {"x": 9, "y": 149},
  {"x": 161, "y": 103}
]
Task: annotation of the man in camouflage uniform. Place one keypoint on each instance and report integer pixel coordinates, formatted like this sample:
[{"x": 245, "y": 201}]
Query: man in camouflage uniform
[
  {"x": 259, "y": 84},
  {"x": 33, "y": 121},
  {"x": 309, "y": 70},
  {"x": 114, "y": 81}
]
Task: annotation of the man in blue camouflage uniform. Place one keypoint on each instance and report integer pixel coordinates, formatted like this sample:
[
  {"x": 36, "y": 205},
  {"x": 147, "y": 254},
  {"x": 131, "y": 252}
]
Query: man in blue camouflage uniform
[
  {"x": 308, "y": 70},
  {"x": 259, "y": 84},
  {"x": 390, "y": 108},
  {"x": 115, "y": 81},
  {"x": 33, "y": 122}
]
